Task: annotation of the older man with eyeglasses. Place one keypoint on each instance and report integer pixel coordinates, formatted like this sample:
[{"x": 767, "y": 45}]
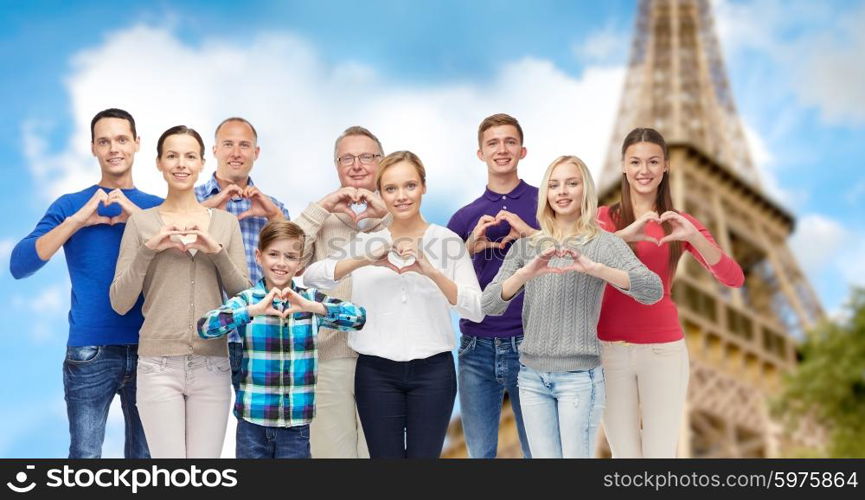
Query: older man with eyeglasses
[{"x": 331, "y": 222}]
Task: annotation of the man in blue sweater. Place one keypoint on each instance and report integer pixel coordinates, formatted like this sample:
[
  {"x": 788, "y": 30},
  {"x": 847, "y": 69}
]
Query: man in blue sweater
[{"x": 102, "y": 350}]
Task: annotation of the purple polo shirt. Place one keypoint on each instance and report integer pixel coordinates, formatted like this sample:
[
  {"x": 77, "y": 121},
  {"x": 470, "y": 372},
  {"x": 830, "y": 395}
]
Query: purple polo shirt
[{"x": 523, "y": 201}]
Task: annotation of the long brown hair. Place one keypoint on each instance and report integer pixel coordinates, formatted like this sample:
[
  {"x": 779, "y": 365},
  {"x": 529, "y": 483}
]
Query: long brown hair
[{"x": 622, "y": 212}]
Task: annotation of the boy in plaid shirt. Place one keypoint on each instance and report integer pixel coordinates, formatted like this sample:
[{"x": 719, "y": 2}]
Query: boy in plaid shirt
[{"x": 276, "y": 398}]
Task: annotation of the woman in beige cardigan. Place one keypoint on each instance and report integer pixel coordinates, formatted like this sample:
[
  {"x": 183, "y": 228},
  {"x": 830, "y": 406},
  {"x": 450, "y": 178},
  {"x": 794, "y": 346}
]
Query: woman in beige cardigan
[{"x": 181, "y": 256}]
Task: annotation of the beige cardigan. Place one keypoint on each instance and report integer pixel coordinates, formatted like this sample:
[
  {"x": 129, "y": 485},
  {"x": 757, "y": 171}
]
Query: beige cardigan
[{"x": 178, "y": 288}]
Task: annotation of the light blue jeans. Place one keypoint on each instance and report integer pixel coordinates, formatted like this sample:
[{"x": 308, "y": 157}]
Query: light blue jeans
[{"x": 561, "y": 411}]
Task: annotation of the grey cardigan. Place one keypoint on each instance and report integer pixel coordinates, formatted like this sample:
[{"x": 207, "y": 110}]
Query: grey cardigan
[{"x": 560, "y": 311}]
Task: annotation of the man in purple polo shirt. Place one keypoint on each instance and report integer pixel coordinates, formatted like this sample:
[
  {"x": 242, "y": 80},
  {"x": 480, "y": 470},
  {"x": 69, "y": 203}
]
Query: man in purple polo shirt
[{"x": 488, "y": 357}]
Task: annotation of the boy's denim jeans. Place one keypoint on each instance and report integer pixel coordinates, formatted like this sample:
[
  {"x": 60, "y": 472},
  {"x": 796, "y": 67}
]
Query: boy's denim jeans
[
  {"x": 562, "y": 411},
  {"x": 92, "y": 376},
  {"x": 487, "y": 368},
  {"x": 258, "y": 441}
]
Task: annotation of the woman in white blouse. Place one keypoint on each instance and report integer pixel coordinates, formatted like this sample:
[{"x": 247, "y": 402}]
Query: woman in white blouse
[{"x": 407, "y": 277}]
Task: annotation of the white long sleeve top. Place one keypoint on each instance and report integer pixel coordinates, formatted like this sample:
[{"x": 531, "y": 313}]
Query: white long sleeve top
[{"x": 408, "y": 316}]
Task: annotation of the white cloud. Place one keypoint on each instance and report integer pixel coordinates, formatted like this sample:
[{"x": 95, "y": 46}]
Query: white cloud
[
  {"x": 831, "y": 255},
  {"x": 299, "y": 104},
  {"x": 852, "y": 262},
  {"x": 817, "y": 239},
  {"x": 607, "y": 44},
  {"x": 6, "y": 247},
  {"x": 832, "y": 77},
  {"x": 115, "y": 431},
  {"x": 768, "y": 169},
  {"x": 817, "y": 46},
  {"x": 48, "y": 306}
]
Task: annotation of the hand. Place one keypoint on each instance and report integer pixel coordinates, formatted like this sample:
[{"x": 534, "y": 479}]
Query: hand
[
  {"x": 580, "y": 264},
  {"x": 127, "y": 208},
  {"x": 541, "y": 264},
  {"x": 297, "y": 304},
  {"x": 375, "y": 206},
  {"x": 88, "y": 215},
  {"x": 409, "y": 250},
  {"x": 266, "y": 306},
  {"x": 261, "y": 205},
  {"x": 683, "y": 230},
  {"x": 519, "y": 229},
  {"x": 381, "y": 256},
  {"x": 478, "y": 240},
  {"x": 220, "y": 200},
  {"x": 162, "y": 240},
  {"x": 203, "y": 241},
  {"x": 340, "y": 201},
  {"x": 636, "y": 231},
  {"x": 377, "y": 255}
]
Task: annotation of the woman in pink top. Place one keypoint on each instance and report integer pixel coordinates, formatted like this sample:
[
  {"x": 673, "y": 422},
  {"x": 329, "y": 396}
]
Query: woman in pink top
[{"x": 645, "y": 358}]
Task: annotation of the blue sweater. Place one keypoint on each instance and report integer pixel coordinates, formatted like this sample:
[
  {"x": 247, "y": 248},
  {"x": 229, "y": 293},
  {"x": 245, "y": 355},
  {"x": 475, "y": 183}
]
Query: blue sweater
[{"x": 91, "y": 255}]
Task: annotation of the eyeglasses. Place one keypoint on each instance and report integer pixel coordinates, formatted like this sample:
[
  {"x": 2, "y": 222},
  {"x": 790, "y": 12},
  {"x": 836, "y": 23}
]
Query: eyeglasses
[{"x": 365, "y": 158}]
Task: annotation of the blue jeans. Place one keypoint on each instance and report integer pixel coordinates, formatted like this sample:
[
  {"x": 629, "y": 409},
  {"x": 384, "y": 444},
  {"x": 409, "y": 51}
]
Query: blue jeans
[
  {"x": 235, "y": 357},
  {"x": 258, "y": 441},
  {"x": 562, "y": 411},
  {"x": 405, "y": 406},
  {"x": 92, "y": 375},
  {"x": 487, "y": 368}
]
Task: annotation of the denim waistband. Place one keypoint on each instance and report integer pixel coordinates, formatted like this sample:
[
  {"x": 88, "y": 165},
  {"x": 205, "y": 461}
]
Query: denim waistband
[{"x": 496, "y": 341}]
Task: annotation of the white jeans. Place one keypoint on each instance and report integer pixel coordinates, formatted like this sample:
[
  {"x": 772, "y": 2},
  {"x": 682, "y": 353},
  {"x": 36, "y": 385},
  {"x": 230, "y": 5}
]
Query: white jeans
[
  {"x": 184, "y": 403},
  {"x": 561, "y": 411},
  {"x": 646, "y": 383},
  {"x": 336, "y": 431}
]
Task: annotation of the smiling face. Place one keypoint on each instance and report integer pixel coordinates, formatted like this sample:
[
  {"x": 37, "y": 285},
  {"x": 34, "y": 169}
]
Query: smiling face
[
  {"x": 235, "y": 150},
  {"x": 114, "y": 145},
  {"x": 352, "y": 171},
  {"x": 402, "y": 190},
  {"x": 501, "y": 149},
  {"x": 180, "y": 162},
  {"x": 644, "y": 166},
  {"x": 279, "y": 261},
  {"x": 565, "y": 190}
]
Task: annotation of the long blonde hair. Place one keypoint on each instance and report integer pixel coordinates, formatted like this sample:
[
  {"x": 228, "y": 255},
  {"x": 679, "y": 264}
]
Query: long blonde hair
[{"x": 587, "y": 225}]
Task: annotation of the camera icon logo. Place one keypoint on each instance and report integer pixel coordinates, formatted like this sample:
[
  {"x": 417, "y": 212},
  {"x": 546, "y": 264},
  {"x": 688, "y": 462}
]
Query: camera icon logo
[{"x": 20, "y": 478}]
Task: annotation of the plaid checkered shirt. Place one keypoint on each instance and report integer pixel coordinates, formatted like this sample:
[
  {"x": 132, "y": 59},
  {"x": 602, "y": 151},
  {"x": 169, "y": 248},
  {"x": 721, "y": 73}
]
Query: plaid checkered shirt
[
  {"x": 250, "y": 227},
  {"x": 280, "y": 358}
]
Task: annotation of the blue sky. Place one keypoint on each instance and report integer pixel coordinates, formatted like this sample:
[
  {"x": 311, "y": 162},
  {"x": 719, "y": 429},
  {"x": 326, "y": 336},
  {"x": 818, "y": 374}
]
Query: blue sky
[{"x": 420, "y": 74}]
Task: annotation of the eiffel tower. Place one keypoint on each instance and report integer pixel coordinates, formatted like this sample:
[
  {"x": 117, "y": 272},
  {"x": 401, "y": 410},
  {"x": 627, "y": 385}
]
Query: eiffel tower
[{"x": 740, "y": 341}]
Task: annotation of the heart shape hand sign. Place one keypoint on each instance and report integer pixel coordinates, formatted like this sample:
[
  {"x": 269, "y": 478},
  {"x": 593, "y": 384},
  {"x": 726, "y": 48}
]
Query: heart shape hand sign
[
  {"x": 399, "y": 258},
  {"x": 281, "y": 303}
]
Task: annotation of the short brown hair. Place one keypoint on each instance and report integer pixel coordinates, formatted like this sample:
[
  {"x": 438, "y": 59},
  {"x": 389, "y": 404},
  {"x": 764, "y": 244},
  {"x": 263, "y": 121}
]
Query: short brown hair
[
  {"x": 356, "y": 130},
  {"x": 498, "y": 120},
  {"x": 279, "y": 229},
  {"x": 398, "y": 157}
]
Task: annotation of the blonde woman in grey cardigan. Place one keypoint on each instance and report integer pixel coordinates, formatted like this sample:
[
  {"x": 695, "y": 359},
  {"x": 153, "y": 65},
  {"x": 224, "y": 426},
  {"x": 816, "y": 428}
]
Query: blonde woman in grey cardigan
[{"x": 563, "y": 269}]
